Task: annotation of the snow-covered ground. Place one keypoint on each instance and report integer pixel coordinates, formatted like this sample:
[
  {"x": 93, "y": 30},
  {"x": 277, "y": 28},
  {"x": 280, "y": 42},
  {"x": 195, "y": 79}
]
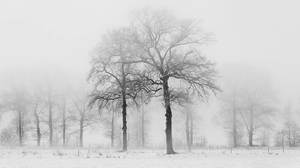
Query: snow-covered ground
[{"x": 204, "y": 158}]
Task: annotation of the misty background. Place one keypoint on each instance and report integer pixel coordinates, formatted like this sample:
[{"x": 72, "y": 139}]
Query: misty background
[{"x": 46, "y": 42}]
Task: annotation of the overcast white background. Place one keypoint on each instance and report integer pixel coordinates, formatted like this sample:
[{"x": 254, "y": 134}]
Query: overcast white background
[
  {"x": 39, "y": 38},
  {"x": 60, "y": 34}
]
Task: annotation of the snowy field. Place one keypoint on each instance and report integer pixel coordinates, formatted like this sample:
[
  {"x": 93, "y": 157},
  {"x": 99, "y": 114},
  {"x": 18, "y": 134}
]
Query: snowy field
[{"x": 204, "y": 158}]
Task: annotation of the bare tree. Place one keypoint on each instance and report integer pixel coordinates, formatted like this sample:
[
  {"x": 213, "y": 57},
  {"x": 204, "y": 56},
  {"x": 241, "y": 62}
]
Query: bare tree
[
  {"x": 140, "y": 101},
  {"x": 256, "y": 113},
  {"x": 50, "y": 104},
  {"x": 64, "y": 120},
  {"x": 113, "y": 108},
  {"x": 189, "y": 126},
  {"x": 230, "y": 113},
  {"x": 112, "y": 74},
  {"x": 17, "y": 101},
  {"x": 291, "y": 128},
  {"x": 84, "y": 116},
  {"x": 185, "y": 101},
  {"x": 37, "y": 119},
  {"x": 169, "y": 49}
]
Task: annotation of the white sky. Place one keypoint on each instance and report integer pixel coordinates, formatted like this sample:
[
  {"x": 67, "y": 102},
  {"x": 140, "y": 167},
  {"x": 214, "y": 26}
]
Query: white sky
[
  {"x": 58, "y": 35},
  {"x": 40, "y": 37}
]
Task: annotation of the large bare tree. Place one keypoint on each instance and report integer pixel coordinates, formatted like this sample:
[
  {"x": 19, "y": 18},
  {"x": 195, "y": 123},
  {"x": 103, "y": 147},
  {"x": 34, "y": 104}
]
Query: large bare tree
[{"x": 169, "y": 49}]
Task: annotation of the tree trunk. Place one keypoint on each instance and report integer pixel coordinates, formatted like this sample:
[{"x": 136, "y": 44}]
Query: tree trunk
[
  {"x": 234, "y": 131},
  {"x": 282, "y": 141},
  {"x": 251, "y": 129},
  {"x": 143, "y": 127},
  {"x": 187, "y": 131},
  {"x": 38, "y": 129},
  {"x": 124, "y": 113},
  {"x": 38, "y": 132},
  {"x": 289, "y": 136},
  {"x": 50, "y": 124},
  {"x": 168, "y": 115},
  {"x": 138, "y": 110},
  {"x": 192, "y": 130},
  {"x": 112, "y": 136},
  {"x": 294, "y": 137},
  {"x": 20, "y": 128},
  {"x": 124, "y": 108},
  {"x": 64, "y": 126},
  {"x": 81, "y": 130}
]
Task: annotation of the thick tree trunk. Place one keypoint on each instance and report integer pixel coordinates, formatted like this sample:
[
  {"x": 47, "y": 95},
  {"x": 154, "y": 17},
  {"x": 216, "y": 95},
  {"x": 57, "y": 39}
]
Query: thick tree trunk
[
  {"x": 20, "y": 128},
  {"x": 124, "y": 120},
  {"x": 124, "y": 108},
  {"x": 112, "y": 136},
  {"x": 250, "y": 139},
  {"x": 168, "y": 115}
]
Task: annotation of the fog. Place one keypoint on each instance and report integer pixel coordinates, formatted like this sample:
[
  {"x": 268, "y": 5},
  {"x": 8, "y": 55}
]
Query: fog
[{"x": 46, "y": 42}]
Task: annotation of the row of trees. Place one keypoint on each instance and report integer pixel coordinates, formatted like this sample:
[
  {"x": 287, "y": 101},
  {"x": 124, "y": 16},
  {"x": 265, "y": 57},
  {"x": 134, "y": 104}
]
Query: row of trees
[
  {"x": 251, "y": 110},
  {"x": 44, "y": 112}
]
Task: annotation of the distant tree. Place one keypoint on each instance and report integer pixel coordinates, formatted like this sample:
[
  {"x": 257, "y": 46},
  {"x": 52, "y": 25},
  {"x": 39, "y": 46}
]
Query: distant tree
[
  {"x": 258, "y": 107},
  {"x": 17, "y": 100},
  {"x": 64, "y": 118},
  {"x": 83, "y": 115},
  {"x": 37, "y": 108},
  {"x": 50, "y": 104},
  {"x": 290, "y": 127},
  {"x": 142, "y": 99},
  {"x": 230, "y": 112},
  {"x": 113, "y": 110},
  {"x": 247, "y": 103}
]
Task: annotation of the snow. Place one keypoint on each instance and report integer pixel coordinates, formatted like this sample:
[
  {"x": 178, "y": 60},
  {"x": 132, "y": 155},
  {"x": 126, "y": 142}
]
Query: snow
[{"x": 97, "y": 158}]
